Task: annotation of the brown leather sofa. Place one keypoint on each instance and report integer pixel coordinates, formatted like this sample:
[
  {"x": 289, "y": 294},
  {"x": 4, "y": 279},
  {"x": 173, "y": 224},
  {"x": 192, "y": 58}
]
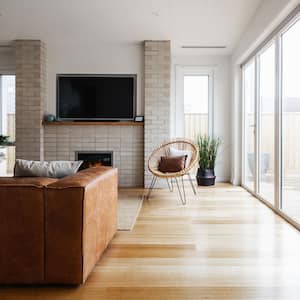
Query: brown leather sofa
[{"x": 53, "y": 231}]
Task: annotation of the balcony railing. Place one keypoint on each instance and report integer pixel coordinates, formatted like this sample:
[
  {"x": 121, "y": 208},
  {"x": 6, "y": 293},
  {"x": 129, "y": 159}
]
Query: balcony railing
[
  {"x": 290, "y": 139},
  {"x": 195, "y": 124}
]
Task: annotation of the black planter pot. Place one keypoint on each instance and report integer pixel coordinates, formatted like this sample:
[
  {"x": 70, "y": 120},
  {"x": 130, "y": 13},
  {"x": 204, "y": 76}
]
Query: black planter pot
[{"x": 206, "y": 177}]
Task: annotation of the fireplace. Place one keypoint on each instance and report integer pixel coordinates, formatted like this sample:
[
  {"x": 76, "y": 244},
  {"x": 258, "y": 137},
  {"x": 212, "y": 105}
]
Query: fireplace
[{"x": 94, "y": 158}]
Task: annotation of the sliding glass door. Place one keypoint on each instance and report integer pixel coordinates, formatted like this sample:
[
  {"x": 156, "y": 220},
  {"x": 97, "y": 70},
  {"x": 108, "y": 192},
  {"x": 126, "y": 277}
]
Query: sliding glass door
[
  {"x": 271, "y": 120},
  {"x": 249, "y": 125},
  {"x": 266, "y": 122},
  {"x": 290, "y": 188}
]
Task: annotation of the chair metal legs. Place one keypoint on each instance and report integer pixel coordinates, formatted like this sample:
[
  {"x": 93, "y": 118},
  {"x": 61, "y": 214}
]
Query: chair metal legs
[
  {"x": 181, "y": 194},
  {"x": 152, "y": 184},
  {"x": 191, "y": 182},
  {"x": 181, "y": 190},
  {"x": 170, "y": 184}
]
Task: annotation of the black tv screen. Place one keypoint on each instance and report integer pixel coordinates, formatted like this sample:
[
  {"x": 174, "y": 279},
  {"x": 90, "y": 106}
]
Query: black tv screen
[{"x": 96, "y": 97}]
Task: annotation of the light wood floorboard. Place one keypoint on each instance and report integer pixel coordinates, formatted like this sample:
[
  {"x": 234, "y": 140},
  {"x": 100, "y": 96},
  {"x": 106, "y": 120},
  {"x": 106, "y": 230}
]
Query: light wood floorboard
[{"x": 224, "y": 244}]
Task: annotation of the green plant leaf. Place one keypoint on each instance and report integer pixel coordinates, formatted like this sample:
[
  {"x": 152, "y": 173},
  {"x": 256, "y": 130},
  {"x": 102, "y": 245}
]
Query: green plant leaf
[{"x": 208, "y": 150}]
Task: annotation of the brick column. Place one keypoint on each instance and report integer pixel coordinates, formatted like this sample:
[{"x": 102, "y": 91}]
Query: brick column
[
  {"x": 30, "y": 98},
  {"x": 157, "y": 97}
]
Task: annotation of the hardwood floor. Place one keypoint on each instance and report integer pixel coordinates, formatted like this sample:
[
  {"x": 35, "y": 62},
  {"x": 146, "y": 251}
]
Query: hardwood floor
[{"x": 224, "y": 244}]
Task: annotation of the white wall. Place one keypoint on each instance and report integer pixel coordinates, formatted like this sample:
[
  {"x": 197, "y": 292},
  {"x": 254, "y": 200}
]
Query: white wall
[
  {"x": 268, "y": 16},
  {"x": 99, "y": 58},
  {"x": 7, "y": 60},
  {"x": 222, "y": 108}
]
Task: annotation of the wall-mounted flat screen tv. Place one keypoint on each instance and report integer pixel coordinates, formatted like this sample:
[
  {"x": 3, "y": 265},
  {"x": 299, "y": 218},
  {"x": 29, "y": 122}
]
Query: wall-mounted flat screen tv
[{"x": 96, "y": 97}]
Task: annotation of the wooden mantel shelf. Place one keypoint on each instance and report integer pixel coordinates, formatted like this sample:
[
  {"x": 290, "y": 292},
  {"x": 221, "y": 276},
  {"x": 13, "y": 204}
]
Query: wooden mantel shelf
[{"x": 88, "y": 123}]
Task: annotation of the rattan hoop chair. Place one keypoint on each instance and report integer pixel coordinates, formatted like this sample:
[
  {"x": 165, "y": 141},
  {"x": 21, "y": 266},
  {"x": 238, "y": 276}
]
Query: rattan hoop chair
[{"x": 164, "y": 150}]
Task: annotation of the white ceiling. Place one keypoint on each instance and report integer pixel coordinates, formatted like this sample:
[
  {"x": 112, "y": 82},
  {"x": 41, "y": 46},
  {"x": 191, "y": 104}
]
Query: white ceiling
[{"x": 184, "y": 22}]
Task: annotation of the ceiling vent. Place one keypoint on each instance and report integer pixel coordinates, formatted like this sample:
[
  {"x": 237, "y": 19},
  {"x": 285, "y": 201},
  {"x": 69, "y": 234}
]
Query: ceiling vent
[{"x": 203, "y": 47}]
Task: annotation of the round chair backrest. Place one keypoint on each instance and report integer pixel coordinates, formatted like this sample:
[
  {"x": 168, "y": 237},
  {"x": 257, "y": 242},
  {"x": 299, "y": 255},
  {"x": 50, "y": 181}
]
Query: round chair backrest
[{"x": 164, "y": 150}]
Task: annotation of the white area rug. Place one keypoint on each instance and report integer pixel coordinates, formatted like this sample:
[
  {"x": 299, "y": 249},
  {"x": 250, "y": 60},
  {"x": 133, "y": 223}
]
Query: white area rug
[{"x": 129, "y": 209}]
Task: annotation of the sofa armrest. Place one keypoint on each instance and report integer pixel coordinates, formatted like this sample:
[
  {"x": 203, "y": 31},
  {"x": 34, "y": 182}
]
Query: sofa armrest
[{"x": 81, "y": 219}]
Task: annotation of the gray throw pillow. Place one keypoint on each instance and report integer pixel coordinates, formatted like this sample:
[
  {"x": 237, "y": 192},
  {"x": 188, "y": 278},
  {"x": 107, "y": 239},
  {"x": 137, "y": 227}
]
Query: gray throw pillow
[
  {"x": 176, "y": 152},
  {"x": 53, "y": 169}
]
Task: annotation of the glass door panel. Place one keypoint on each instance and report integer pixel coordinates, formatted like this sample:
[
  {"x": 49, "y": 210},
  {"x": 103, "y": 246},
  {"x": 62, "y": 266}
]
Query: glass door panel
[
  {"x": 196, "y": 101},
  {"x": 266, "y": 149},
  {"x": 249, "y": 125},
  {"x": 7, "y": 123},
  {"x": 290, "y": 186}
]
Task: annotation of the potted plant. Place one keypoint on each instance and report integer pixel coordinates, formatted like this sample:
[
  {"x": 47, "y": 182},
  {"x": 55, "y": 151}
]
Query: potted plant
[
  {"x": 208, "y": 149},
  {"x": 4, "y": 140}
]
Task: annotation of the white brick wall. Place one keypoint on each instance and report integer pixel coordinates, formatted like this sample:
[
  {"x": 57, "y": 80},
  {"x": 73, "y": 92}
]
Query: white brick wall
[
  {"x": 30, "y": 98},
  {"x": 157, "y": 97},
  {"x": 126, "y": 142}
]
